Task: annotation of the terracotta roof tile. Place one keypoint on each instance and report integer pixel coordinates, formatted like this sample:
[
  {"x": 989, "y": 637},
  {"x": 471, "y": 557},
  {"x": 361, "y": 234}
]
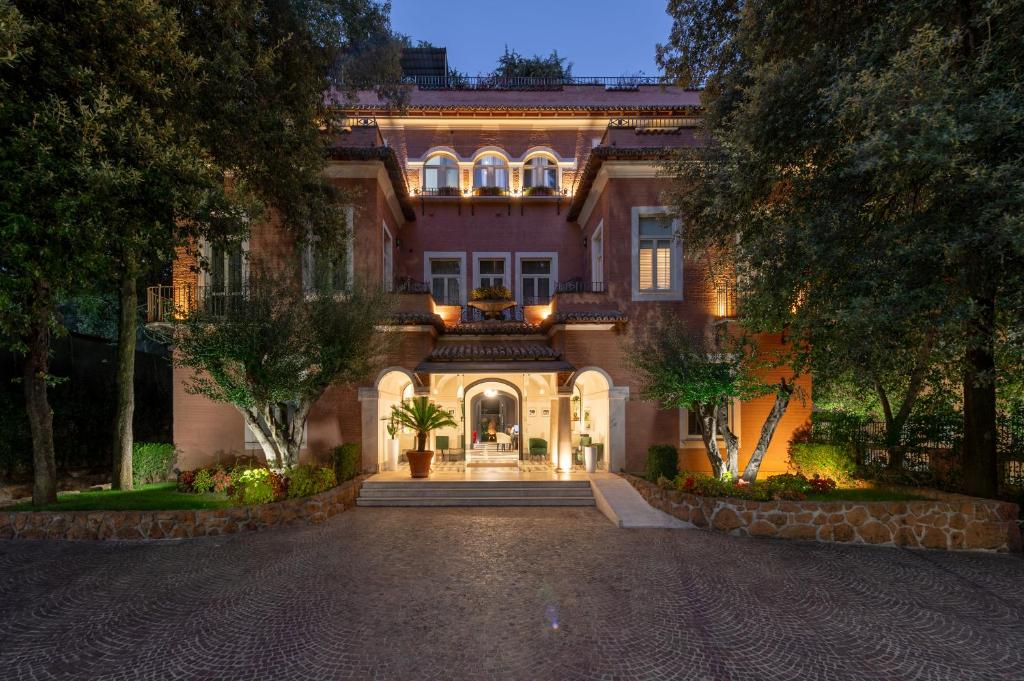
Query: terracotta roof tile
[{"x": 472, "y": 352}]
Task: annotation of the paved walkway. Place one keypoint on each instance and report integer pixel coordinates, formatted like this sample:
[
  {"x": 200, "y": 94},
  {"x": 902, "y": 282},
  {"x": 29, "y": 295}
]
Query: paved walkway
[
  {"x": 624, "y": 506},
  {"x": 504, "y": 594}
]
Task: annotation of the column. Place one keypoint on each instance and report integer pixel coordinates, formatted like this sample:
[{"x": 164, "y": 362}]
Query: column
[
  {"x": 617, "y": 398},
  {"x": 369, "y": 399},
  {"x": 564, "y": 438}
]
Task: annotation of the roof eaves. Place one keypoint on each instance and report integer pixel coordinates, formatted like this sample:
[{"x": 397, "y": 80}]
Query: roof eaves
[
  {"x": 390, "y": 160},
  {"x": 596, "y": 159}
]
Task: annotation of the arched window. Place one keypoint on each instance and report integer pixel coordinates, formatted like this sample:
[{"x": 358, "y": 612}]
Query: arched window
[
  {"x": 440, "y": 173},
  {"x": 540, "y": 171},
  {"x": 490, "y": 173}
]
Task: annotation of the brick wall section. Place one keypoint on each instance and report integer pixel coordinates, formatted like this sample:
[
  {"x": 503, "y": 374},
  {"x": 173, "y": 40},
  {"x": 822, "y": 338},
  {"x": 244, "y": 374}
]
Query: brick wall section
[
  {"x": 955, "y": 523},
  {"x": 137, "y": 525}
]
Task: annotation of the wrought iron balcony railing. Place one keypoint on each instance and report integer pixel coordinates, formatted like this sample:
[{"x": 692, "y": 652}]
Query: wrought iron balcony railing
[
  {"x": 579, "y": 285},
  {"x": 410, "y": 285},
  {"x": 456, "y": 82}
]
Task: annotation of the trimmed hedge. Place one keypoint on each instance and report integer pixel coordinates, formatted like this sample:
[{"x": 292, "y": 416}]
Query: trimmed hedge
[
  {"x": 662, "y": 461},
  {"x": 835, "y": 461},
  {"x": 152, "y": 462},
  {"x": 347, "y": 459}
]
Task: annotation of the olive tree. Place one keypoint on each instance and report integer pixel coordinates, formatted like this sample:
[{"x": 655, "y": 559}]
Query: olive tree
[
  {"x": 273, "y": 350},
  {"x": 683, "y": 369}
]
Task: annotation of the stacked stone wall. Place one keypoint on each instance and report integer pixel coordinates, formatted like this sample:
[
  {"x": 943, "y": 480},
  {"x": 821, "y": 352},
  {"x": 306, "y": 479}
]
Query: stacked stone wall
[
  {"x": 954, "y": 522},
  {"x": 132, "y": 525}
]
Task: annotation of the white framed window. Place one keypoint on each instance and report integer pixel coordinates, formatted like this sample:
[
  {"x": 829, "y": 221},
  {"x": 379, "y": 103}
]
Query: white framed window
[
  {"x": 689, "y": 423},
  {"x": 446, "y": 274},
  {"x": 227, "y": 266},
  {"x": 490, "y": 171},
  {"x": 332, "y": 272},
  {"x": 657, "y": 255},
  {"x": 250, "y": 438},
  {"x": 536, "y": 281},
  {"x": 597, "y": 278},
  {"x": 387, "y": 257},
  {"x": 440, "y": 172},
  {"x": 540, "y": 171},
  {"x": 492, "y": 269}
]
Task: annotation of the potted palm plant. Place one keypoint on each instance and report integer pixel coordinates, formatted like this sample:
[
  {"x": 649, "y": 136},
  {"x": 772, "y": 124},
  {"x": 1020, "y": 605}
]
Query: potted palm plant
[{"x": 421, "y": 416}]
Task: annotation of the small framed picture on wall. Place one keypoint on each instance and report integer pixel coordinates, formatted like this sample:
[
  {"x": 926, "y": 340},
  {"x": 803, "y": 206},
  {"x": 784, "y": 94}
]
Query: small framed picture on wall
[
  {"x": 532, "y": 412},
  {"x": 546, "y": 412}
]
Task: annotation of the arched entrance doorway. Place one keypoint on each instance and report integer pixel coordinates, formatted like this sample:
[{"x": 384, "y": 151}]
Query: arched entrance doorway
[{"x": 494, "y": 422}]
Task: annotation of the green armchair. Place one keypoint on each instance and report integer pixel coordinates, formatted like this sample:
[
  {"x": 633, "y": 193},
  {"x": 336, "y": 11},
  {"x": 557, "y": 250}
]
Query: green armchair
[{"x": 538, "y": 447}]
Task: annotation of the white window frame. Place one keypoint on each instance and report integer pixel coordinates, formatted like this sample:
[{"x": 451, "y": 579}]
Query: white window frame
[
  {"x": 597, "y": 257},
  {"x": 309, "y": 254},
  {"x": 428, "y": 256},
  {"x": 675, "y": 292},
  {"x": 688, "y": 439},
  {"x": 453, "y": 167},
  {"x": 387, "y": 273},
  {"x": 206, "y": 250},
  {"x": 552, "y": 165},
  {"x": 535, "y": 255},
  {"x": 492, "y": 255},
  {"x": 251, "y": 443}
]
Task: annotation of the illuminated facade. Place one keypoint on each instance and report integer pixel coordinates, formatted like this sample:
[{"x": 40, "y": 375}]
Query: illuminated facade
[{"x": 553, "y": 193}]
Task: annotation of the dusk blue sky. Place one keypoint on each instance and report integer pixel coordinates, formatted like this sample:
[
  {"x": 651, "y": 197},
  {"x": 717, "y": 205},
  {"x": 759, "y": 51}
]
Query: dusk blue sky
[{"x": 600, "y": 37}]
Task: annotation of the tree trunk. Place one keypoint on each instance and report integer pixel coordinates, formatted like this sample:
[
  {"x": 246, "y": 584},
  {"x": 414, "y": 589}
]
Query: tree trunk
[
  {"x": 709, "y": 433},
  {"x": 40, "y": 416},
  {"x": 732, "y": 445},
  {"x": 782, "y": 396},
  {"x": 981, "y": 472},
  {"x": 127, "y": 328}
]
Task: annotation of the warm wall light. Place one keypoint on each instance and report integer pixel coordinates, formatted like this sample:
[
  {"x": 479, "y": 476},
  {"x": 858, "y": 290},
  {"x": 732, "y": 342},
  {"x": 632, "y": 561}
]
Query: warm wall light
[{"x": 491, "y": 392}]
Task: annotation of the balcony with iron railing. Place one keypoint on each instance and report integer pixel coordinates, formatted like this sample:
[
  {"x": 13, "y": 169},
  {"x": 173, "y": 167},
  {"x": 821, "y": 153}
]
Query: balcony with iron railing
[{"x": 529, "y": 83}]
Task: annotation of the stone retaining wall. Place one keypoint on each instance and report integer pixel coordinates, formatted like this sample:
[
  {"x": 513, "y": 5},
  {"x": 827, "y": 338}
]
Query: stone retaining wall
[
  {"x": 128, "y": 525},
  {"x": 955, "y": 522}
]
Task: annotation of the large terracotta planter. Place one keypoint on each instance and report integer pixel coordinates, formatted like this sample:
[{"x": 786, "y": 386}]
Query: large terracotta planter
[
  {"x": 492, "y": 309},
  {"x": 419, "y": 462}
]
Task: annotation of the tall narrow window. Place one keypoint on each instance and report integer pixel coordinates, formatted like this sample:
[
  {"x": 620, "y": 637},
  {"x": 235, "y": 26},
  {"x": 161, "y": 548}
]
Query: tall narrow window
[
  {"x": 388, "y": 255},
  {"x": 655, "y": 253},
  {"x": 490, "y": 174},
  {"x": 441, "y": 175},
  {"x": 445, "y": 278},
  {"x": 492, "y": 272},
  {"x": 225, "y": 268},
  {"x": 597, "y": 259},
  {"x": 540, "y": 172},
  {"x": 535, "y": 281}
]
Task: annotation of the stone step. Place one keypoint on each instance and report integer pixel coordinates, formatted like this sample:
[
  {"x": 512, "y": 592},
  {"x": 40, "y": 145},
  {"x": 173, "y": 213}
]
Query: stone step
[
  {"x": 477, "y": 484},
  {"x": 475, "y": 501},
  {"x": 466, "y": 491}
]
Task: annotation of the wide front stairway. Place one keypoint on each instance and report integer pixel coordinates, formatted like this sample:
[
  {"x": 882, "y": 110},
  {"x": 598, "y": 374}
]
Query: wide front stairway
[{"x": 476, "y": 493}]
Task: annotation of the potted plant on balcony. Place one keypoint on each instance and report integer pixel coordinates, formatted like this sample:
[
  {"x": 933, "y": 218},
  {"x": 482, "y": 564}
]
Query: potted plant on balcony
[
  {"x": 540, "y": 190},
  {"x": 421, "y": 416},
  {"x": 490, "y": 191},
  {"x": 491, "y": 300}
]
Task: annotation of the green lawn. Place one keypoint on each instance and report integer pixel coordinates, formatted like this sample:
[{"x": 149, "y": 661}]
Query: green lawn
[
  {"x": 158, "y": 496},
  {"x": 865, "y": 494}
]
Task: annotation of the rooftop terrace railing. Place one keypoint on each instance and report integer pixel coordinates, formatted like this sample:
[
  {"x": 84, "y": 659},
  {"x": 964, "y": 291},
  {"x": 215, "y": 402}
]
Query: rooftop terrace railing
[{"x": 456, "y": 82}]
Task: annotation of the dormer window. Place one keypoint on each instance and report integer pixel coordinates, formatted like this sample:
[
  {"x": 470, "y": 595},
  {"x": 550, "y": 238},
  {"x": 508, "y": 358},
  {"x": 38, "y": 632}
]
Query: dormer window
[
  {"x": 441, "y": 175},
  {"x": 540, "y": 176},
  {"x": 490, "y": 175}
]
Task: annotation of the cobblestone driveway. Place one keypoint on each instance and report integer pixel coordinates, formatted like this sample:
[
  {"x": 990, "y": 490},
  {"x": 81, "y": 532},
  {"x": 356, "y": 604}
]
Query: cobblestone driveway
[{"x": 504, "y": 594}]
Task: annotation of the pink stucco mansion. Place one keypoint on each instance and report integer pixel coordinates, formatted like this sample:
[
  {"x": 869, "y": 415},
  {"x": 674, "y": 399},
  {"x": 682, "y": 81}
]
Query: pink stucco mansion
[{"x": 552, "y": 190}]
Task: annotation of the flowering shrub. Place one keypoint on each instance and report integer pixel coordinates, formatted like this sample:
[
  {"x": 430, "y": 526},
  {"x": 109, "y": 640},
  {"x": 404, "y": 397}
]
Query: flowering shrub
[
  {"x": 222, "y": 480},
  {"x": 202, "y": 483},
  {"x": 821, "y": 485},
  {"x": 307, "y": 480},
  {"x": 490, "y": 293},
  {"x": 782, "y": 487},
  {"x": 185, "y": 480},
  {"x": 253, "y": 487},
  {"x": 279, "y": 485}
]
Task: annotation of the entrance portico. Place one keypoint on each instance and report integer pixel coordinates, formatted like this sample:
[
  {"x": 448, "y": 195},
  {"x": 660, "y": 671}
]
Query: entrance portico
[{"x": 531, "y": 421}]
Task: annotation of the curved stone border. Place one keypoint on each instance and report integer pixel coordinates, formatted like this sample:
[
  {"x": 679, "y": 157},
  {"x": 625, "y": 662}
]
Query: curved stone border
[
  {"x": 130, "y": 525},
  {"x": 955, "y": 523}
]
